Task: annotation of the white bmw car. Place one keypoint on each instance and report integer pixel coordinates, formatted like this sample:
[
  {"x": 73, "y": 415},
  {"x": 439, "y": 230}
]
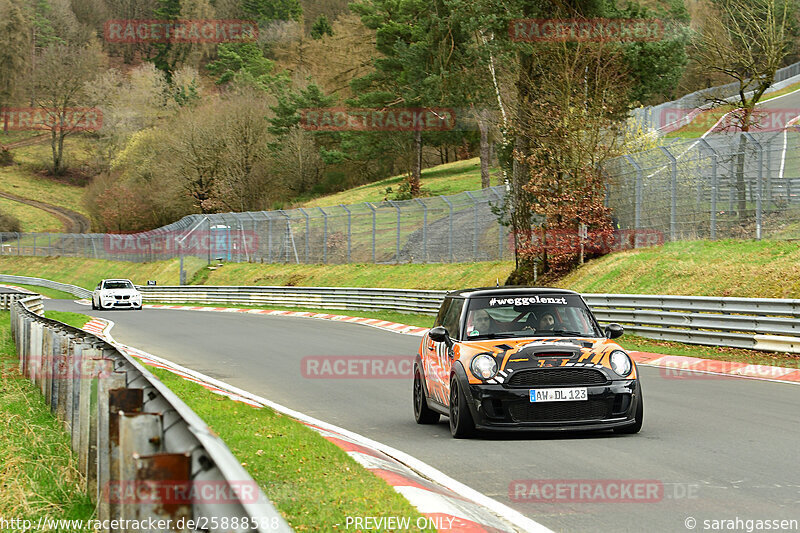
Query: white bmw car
[{"x": 116, "y": 294}]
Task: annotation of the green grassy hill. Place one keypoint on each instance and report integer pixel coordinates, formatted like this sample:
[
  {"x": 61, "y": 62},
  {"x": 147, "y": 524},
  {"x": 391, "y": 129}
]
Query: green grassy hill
[{"x": 450, "y": 178}]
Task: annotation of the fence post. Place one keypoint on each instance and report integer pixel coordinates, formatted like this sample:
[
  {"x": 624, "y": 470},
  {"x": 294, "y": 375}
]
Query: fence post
[
  {"x": 475, "y": 227},
  {"x": 139, "y": 434},
  {"x": 450, "y": 231},
  {"x": 349, "y": 234},
  {"x": 305, "y": 215},
  {"x": 499, "y": 227},
  {"x": 714, "y": 188},
  {"x": 324, "y": 236},
  {"x": 424, "y": 229},
  {"x": 397, "y": 237},
  {"x": 759, "y": 182},
  {"x": 637, "y": 208},
  {"x": 269, "y": 236},
  {"x": 373, "y": 228},
  {"x": 673, "y": 209}
]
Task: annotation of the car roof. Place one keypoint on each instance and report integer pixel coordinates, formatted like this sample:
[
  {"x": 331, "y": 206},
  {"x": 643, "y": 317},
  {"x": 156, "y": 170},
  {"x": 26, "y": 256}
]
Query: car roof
[
  {"x": 510, "y": 290},
  {"x": 118, "y": 279}
]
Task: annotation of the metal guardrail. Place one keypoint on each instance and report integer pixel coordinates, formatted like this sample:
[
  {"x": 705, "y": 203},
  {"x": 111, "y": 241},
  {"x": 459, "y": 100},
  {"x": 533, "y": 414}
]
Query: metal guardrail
[
  {"x": 8, "y": 299},
  {"x": 753, "y": 323},
  {"x": 143, "y": 452},
  {"x": 80, "y": 292},
  {"x": 404, "y": 300}
]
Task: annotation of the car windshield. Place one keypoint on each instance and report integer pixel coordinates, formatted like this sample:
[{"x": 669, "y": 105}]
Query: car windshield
[
  {"x": 529, "y": 315},
  {"x": 118, "y": 285}
]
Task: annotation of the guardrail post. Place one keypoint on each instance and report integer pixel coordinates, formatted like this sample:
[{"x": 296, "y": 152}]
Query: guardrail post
[
  {"x": 120, "y": 401},
  {"x": 160, "y": 475},
  {"x": 139, "y": 434},
  {"x": 105, "y": 384}
]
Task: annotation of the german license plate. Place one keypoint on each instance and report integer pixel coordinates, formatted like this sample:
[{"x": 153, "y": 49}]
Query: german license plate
[{"x": 559, "y": 395}]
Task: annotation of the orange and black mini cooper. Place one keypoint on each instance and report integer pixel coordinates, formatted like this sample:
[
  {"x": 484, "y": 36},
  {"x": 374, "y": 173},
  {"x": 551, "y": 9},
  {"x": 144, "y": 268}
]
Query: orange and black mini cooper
[{"x": 524, "y": 359}]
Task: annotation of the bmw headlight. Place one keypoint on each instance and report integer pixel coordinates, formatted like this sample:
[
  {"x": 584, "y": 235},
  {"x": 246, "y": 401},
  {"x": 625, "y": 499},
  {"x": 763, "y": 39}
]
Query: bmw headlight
[
  {"x": 621, "y": 363},
  {"x": 484, "y": 366}
]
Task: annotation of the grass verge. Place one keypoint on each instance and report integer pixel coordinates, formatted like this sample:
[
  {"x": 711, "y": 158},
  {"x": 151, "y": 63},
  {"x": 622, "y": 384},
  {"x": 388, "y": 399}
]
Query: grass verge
[
  {"x": 50, "y": 293},
  {"x": 313, "y": 482},
  {"x": 450, "y": 178},
  {"x": 38, "y": 471},
  {"x": 76, "y": 320},
  {"x": 746, "y": 269}
]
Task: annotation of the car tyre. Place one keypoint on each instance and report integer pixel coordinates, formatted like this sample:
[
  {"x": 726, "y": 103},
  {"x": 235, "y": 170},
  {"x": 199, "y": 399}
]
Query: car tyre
[
  {"x": 638, "y": 419},
  {"x": 94, "y": 307},
  {"x": 422, "y": 413},
  {"x": 461, "y": 424}
]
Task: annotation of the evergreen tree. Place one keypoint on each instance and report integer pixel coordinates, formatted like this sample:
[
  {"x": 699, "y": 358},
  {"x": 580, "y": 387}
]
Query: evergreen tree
[{"x": 321, "y": 26}]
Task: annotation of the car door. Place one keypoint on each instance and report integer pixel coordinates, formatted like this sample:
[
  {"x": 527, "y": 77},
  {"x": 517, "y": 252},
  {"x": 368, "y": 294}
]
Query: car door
[
  {"x": 438, "y": 360},
  {"x": 96, "y": 295}
]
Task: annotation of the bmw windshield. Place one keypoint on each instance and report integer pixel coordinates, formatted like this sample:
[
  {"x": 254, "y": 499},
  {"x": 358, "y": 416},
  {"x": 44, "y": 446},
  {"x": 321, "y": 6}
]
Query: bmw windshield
[{"x": 530, "y": 315}]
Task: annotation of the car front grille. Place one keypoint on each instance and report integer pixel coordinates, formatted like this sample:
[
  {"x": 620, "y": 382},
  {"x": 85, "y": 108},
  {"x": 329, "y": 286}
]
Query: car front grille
[
  {"x": 559, "y": 411},
  {"x": 556, "y": 376}
]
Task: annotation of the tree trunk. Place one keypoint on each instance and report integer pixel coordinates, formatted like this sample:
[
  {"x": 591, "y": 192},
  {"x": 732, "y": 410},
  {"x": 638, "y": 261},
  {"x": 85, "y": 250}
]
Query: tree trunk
[
  {"x": 741, "y": 189},
  {"x": 416, "y": 170}
]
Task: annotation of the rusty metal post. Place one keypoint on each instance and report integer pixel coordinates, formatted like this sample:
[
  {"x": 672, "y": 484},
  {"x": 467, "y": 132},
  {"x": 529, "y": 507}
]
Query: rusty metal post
[
  {"x": 88, "y": 378},
  {"x": 47, "y": 365},
  {"x": 64, "y": 384},
  {"x": 119, "y": 401},
  {"x": 166, "y": 478},
  {"x": 115, "y": 380},
  {"x": 75, "y": 378},
  {"x": 139, "y": 434}
]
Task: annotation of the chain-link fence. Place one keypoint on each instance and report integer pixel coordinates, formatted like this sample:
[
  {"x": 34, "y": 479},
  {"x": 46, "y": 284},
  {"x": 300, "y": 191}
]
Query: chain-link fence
[
  {"x": 735, "y": 185},
  {"x": 679, "y": 112},
  {"x": 456, "y": 228}
]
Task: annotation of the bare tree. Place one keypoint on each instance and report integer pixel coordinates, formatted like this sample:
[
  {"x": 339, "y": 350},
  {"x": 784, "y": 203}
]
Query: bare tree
[
  {"x": 59, "y": 88},
  {"x": 746, "y": 41}
]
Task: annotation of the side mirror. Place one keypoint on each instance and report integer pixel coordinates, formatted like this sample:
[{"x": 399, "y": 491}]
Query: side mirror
[
  {"x": 439, "y": 334},
  {"x": 614, "y": 330}
]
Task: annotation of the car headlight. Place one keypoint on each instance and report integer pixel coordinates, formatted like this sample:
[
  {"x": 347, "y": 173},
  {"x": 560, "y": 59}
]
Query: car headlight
[
  {"x": 621, "y": 363},
  {"x": 484, "y": 366}
]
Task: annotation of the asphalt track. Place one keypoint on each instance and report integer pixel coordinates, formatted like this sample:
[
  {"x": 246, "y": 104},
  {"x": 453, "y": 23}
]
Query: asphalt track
[{"x": 722, "y": 447}]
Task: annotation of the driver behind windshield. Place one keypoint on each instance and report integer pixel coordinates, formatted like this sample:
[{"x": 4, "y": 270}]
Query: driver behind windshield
[
  {"x": 480, "y": 323},
  {"x": 547, "y": 322}
]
